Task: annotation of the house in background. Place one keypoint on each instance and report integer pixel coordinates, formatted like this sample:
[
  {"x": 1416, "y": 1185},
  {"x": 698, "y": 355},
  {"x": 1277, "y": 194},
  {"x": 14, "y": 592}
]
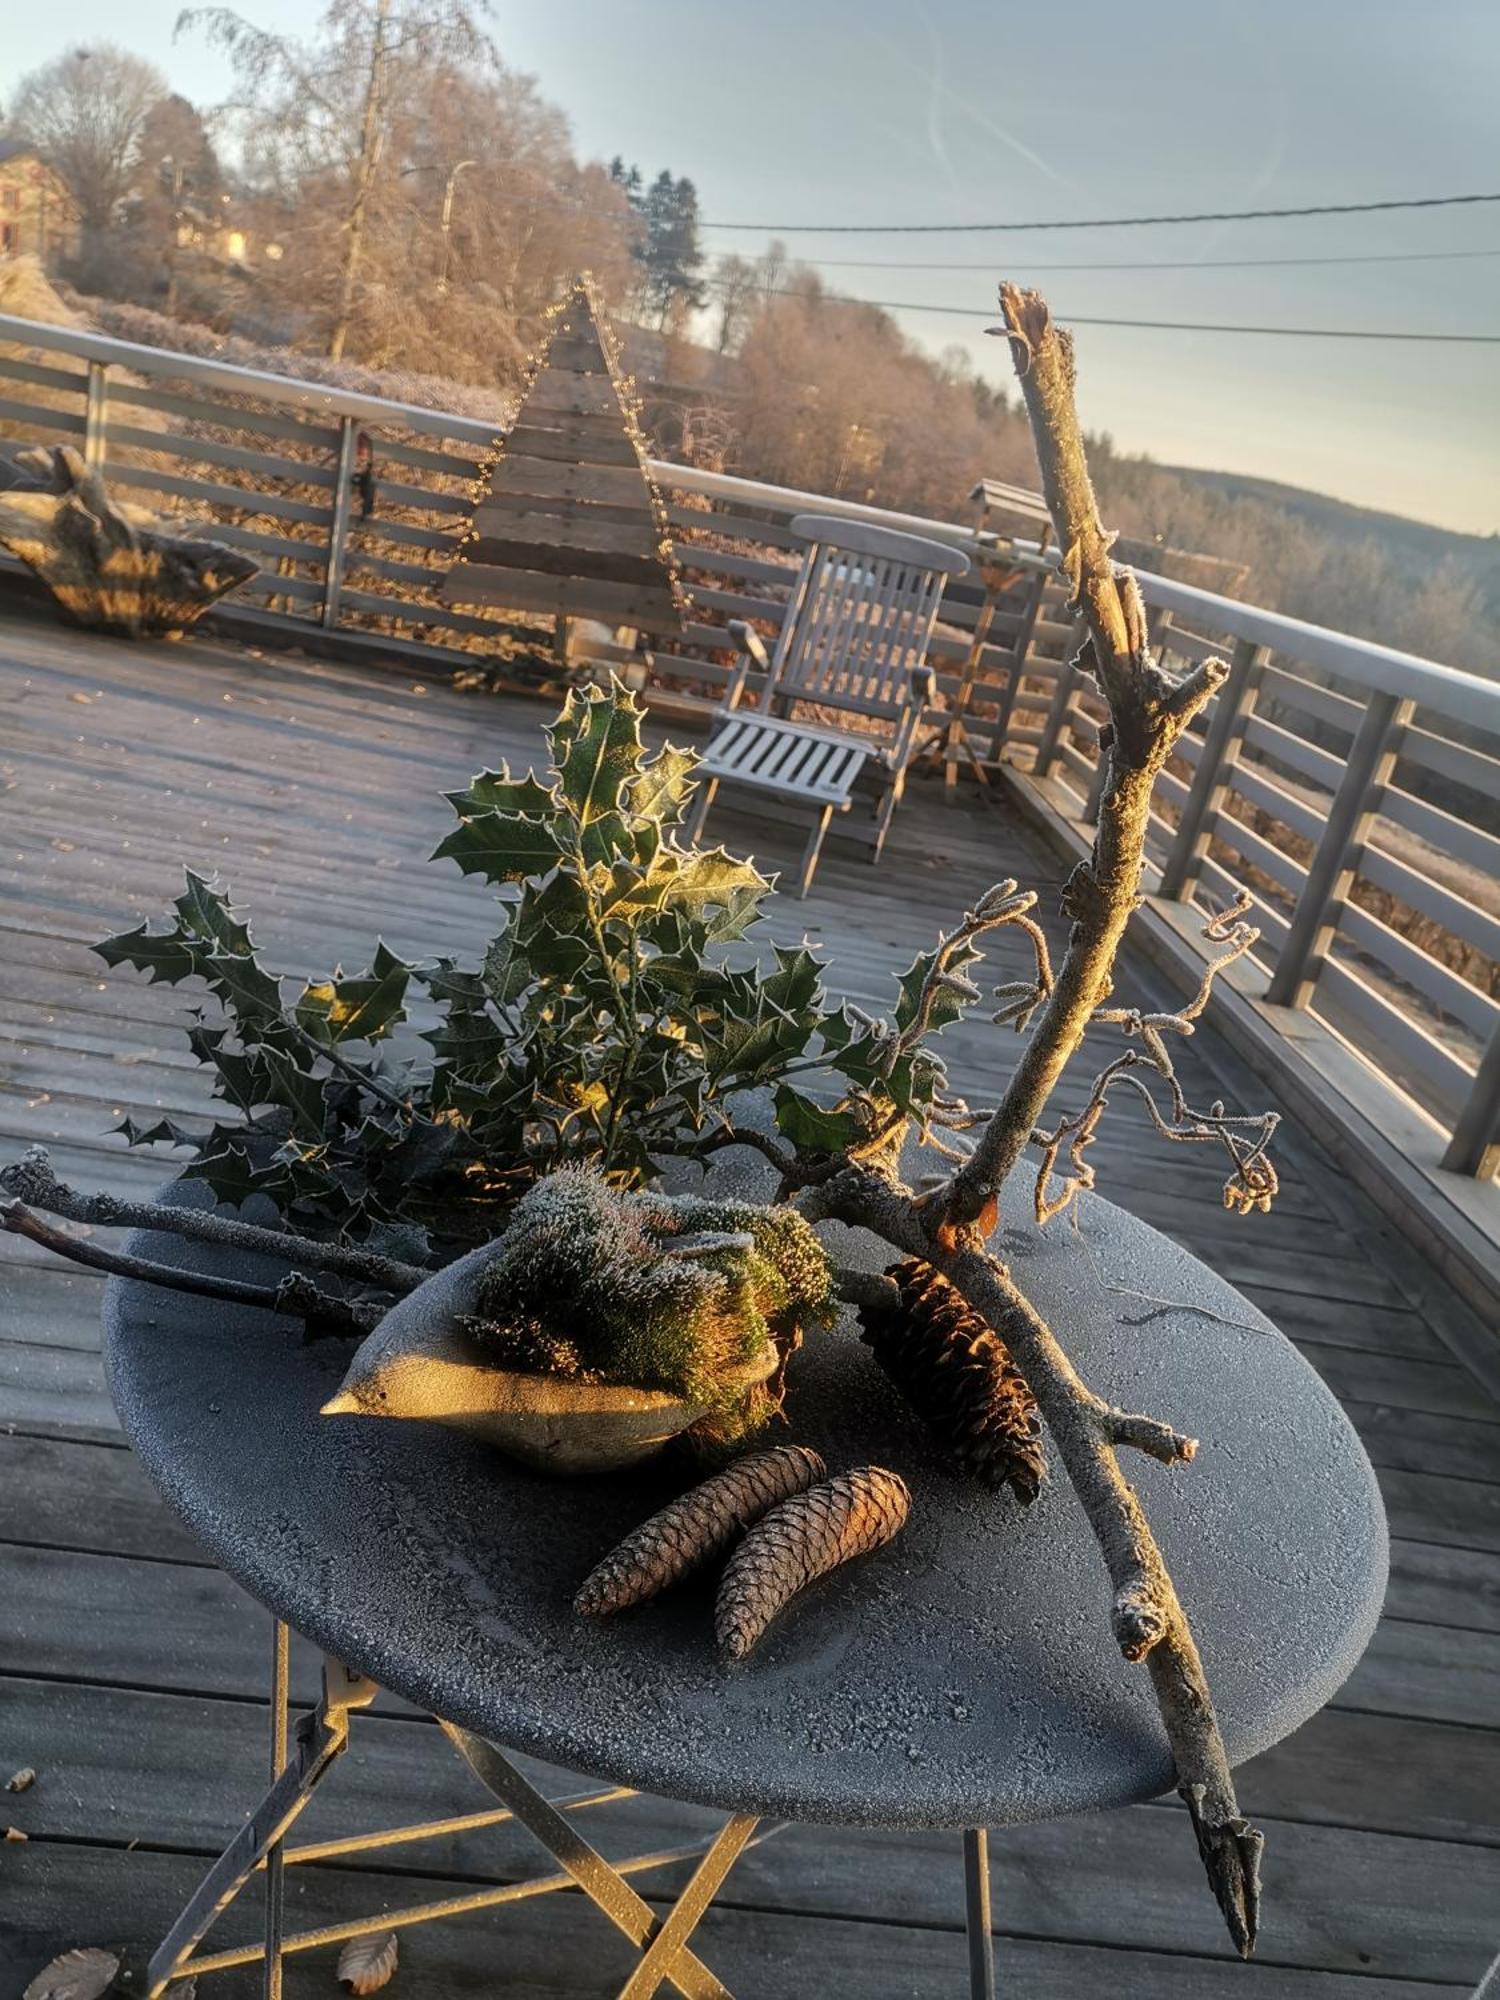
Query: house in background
[{"x": 38, "y": 216}]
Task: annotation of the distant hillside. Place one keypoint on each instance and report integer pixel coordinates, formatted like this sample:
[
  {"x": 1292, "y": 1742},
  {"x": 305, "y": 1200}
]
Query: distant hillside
[{"x": 1343, "y": 521}]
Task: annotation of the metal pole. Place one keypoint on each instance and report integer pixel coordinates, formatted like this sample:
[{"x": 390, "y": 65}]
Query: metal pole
[
  {"x": 1372, "y": 757},
  {"x": 1475, "y": 1145},
  {"x": 1232, "y": 709},
  {"x": 275, "y": 1900},
  {"x": 978, "y": 1916},
  {"x": 338, "y": 527},
  {"x": 95, "y": 415}
]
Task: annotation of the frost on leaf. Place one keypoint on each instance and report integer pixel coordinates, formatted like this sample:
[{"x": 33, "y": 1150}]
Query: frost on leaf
[
  {"x": 368, "y": 1963},
  {"x": 85, "y": 1974}
]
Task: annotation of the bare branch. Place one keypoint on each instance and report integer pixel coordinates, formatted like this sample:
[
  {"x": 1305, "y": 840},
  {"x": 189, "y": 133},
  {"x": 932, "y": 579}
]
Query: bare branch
[
  {"x": 31, "y": 1179},
  {"x": 296, "y": 1295}
]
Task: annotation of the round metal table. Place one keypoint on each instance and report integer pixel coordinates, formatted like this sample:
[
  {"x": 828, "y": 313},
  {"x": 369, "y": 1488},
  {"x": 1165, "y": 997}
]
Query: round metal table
[{"x": 964, "y": 1677}]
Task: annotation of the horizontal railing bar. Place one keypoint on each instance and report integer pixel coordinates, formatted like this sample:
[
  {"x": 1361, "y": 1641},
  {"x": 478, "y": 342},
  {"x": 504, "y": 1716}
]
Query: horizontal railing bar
[
  {"x": 1308, "y": 698},
  {"x": 1259, "y": 788},
  {"x": 1288, "y": 748},
  {"x": 71, "y": 381},
  {"x": 70, "y": 422},
  {"x": 1446, "y": 990},
  {"x": 1429, "y": 898},
  {"x": 1457, "y": 762},
  {"x": 1268, "y": 920},
  {"x": 1447, "y": 1077},
  {"x": 1444, "y": 832},
  {"x": 257, "y": 542},
  {"x": 223, "y": 416},
  {"x": 205, "y": 492},
  {"x": 208, "y": 451},
  {"x": 1252, "y": 847}
]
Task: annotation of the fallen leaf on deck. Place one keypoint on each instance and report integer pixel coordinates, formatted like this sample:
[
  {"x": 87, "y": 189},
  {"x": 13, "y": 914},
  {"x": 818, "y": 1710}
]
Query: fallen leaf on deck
[
  {"x": 14, "y": 1835},
  {"x": 86, "y": 1974},
  {"x": 22, "y": 1780},
  {"x": 368, "y": 1963}
]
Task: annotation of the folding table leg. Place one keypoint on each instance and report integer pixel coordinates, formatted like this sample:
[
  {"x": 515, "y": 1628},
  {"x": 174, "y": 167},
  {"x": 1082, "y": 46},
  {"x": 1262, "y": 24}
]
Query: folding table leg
[
  {"x": 689, "y": 1908},
  {"x": 602, "y": 1883},
  {"x": 977, "y": 1914},
  {"x": 275, "y": 1898},
  {"x": 813, "y": 849},
  {"x": 320, "y": 1737}
]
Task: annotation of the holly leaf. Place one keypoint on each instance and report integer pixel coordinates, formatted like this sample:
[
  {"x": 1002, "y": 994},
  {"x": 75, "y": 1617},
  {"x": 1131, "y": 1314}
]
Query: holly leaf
[
  {"x": 361, "y": 1009},
  {"x": 715, "y": 888},
  {"x": 811, "y": 1127},
  {"x": 296, "y": 1091},
  {"x": 251, "y": 994},
  {"x": 163, "y": 1133},
  {"x": 596, "y": 751},
  {"x": 498, "y": 791},
  {"x": 503, "y": 847},
  {"x": 948, "y": 1006},
  {"x": 163, "y": 956},
  {"x": 506, "y": 972},
  {"x": 664, "y": 786},
  {"x": 206, "y": 914}
]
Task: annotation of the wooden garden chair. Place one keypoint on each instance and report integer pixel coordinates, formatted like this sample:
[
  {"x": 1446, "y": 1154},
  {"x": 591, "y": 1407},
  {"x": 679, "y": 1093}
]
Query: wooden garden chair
[{"x": 853, "y": 648}]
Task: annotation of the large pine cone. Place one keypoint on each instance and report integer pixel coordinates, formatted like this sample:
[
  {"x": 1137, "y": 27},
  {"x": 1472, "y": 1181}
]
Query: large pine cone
[
  {"x": 800, "y": 1540},
  {"x": 958, "y": 1376},
  {"x": 694, "y": 1527}
]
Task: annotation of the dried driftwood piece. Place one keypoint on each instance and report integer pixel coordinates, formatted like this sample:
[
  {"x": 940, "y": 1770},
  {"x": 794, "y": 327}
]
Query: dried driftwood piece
[
  {"x": 109, "y": 565},
  {"x": 802, "y": 1539},
  {"x": 695, "y": 1527},
  {"x": 958, "y": 1376}
]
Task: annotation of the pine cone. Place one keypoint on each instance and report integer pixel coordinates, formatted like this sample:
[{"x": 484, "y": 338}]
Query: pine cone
[
  {"x": 695, "y": 1527},
  {"x": 804, "y": 1538},
  {"x": 958, "y": 1376}
]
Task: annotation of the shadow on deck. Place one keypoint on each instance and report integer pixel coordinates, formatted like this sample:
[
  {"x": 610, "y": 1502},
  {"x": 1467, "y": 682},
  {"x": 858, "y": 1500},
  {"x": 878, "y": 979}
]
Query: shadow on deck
[{"x": 134, "y": 1671}]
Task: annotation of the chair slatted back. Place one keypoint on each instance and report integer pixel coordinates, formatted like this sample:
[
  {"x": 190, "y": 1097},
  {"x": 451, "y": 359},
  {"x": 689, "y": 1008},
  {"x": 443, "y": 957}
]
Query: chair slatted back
[{"x": 860, "y": 617}]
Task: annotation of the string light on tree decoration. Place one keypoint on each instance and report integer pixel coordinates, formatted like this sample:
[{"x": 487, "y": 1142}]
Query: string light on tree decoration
[{"x": 567, "y": 517}]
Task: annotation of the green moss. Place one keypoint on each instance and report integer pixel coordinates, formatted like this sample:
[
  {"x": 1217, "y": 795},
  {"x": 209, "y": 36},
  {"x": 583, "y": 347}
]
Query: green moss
[{"x": 672, "y": 1293}]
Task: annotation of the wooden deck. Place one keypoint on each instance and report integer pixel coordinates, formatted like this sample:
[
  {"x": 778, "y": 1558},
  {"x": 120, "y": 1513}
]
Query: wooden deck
[{"x": 134, "y": 1671}]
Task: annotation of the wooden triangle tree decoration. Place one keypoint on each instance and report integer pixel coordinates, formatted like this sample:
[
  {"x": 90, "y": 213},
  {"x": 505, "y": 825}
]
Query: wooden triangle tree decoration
[{"x": 567, "y": 518}]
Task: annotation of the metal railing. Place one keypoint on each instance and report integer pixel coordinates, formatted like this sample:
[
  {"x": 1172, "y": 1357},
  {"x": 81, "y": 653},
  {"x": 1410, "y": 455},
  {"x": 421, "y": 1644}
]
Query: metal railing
[{"x": 1355, "y": 788}]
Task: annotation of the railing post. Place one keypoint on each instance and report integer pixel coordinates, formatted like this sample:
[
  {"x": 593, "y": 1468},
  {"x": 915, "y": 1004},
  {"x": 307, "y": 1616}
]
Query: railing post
[
  {"x": 95, "y": 415},
  {"x": 1216, "y": 756},
  {"x": 1068, "y": 678},
  {"x": 1020, "y": 650},
  {"x": 1475, "y": 1145},
  {"x": 1372, "y": 757},
  {"x": 338, "y": 527}
]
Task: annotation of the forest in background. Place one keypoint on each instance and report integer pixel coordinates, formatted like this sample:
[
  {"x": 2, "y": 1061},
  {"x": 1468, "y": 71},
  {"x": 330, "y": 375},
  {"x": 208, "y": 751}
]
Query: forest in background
[{"x": 387, "y": 200}]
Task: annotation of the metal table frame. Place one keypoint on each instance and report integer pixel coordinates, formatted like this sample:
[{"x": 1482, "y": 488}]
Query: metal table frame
[{"x": 299, "y": 1766}]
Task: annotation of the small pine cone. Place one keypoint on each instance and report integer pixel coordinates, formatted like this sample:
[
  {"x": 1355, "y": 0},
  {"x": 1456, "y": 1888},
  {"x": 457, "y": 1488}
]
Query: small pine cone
[
  {"x": 695, "y": 1527},
  {"x": 804, "y": 1538},
  {"x": 958, "y": 1376}
]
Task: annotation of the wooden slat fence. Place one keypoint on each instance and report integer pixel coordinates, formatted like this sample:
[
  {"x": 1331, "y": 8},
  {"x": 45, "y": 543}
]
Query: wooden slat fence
[{"x": 1355, "y": 789}]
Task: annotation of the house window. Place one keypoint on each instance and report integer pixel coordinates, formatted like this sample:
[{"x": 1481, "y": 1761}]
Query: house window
[
  {"x": 7, "y": 238},
  {"x": 10, "y": 200}
]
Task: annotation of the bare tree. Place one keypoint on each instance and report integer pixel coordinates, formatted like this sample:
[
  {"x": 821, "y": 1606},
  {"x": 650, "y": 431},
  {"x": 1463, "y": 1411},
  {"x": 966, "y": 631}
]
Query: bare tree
[
  {"x": 87, "y": 111},
  {"x": 323, "y": 110}
]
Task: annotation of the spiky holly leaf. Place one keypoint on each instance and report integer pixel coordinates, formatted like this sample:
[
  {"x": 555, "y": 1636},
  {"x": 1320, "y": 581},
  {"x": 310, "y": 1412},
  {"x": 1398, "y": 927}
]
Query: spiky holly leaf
[
  {"x": 665, "y": 784},
  {"x": 813, "y": 1127},
  {"x": 596, "y": 750},
  {"x": 296, "y": 1090},
  {"x": 714, "y": 887},
  {"x": 361, "y": 1009},
  {"x": 163, "y": 956},
  {"x": 498, "y": 791},
  {"x": 163, "y": 1133},
  {"x": 251, "y": 994},
  {"x": 204, "y": 912},
  {"x": 502, "y": 847},
  {"x": 948, "y": 1003}
]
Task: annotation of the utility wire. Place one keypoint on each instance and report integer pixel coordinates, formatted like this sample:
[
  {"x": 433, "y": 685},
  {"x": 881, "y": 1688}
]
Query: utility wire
[
  {"x": 1175, "y": 264},
  {"x": 1159, "y": 325},
  {"x": 1107, "y": 222}
]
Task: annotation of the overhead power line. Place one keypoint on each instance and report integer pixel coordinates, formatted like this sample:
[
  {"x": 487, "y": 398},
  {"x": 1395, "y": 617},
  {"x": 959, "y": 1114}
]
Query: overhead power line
[
  {"x": 1158, "y": 325},
  {"x": 1172, "y": 264},
  {"x": 1106, "y": 222}
]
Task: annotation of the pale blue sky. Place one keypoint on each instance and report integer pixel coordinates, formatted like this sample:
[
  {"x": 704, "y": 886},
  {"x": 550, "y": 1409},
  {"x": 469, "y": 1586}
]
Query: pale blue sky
[{"x": 958, "y": 110}]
